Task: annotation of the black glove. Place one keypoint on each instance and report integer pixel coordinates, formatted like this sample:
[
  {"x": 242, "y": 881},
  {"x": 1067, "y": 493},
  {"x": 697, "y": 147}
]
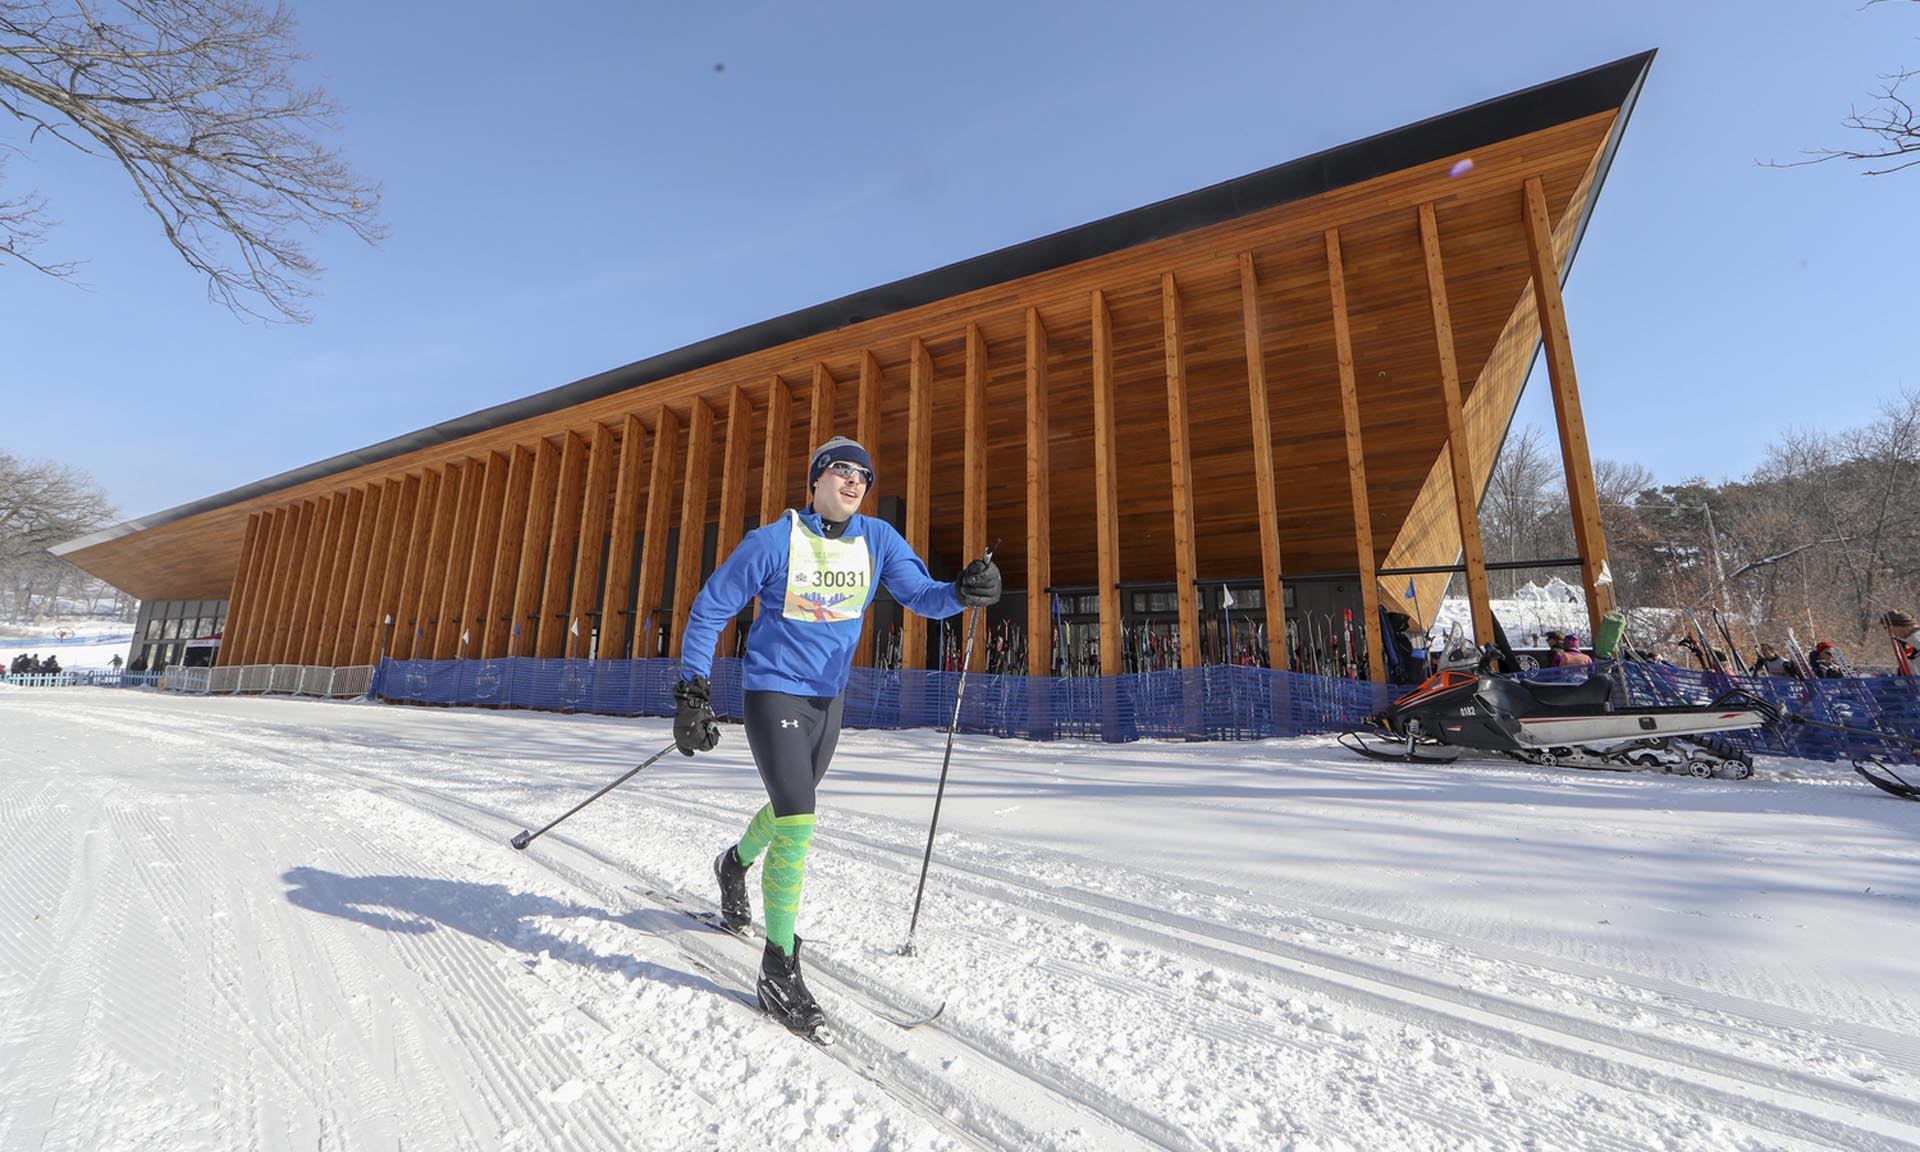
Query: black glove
[
  {"x": 694, "y": 728},
  {"x": 979, "y": 585}
]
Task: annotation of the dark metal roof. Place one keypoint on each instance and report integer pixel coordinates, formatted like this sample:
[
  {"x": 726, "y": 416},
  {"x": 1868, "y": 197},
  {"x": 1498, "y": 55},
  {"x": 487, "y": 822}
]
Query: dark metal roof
[{"x": 1609, "y": 86}]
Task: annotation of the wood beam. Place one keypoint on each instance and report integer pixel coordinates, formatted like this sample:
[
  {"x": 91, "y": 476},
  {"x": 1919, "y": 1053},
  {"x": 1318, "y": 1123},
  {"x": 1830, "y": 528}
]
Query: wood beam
[
  {"x": 587, "y": 569},
  {"x": 653, "y": 539},
  {"x": 974, "y": 529},
  {"x": 369, "y": 614},
  {"x": 524, "y": 636},
  {"x": 260, "y": 584},
  {"x": 475, "y": 621},
  {"x": 773, "y": 466},
  {"x": 280, "y": 543},
  {"x": 867, "y": 432},
  {"x": 1466, "y": 497},
  {"x": 386, "y": 610},
  {"x": 238, "y": 592},
  {"x": 913, "y": 633},
  {"x": 333, "y": 615},
  {"x": 616, "y": 603},
  {"x": 433, "y": 580},
  {"x": 360, "y": 523},
  {"x": 283, "y": 630},
  {"x": 331, "y": 512},
  {"x": 508, "y": 549},
  {"x": 1274, "y": 589},
  {"x": 1180, "y": 456},
  {"x": 406, "y": 617},
  {"x": 1589, "y": 537},
  {"x": 1106, "y": 487},
  {"x": 733, "y": 491},
  {"x": 555, "y": 603},
  {"x": 453, "y": 597},
  {"x": 1356, "y": 461},
  {"x": 1039, "y": 504},
  {"x": 693, "y": 519},
  {"x": 825, "y": 395}
]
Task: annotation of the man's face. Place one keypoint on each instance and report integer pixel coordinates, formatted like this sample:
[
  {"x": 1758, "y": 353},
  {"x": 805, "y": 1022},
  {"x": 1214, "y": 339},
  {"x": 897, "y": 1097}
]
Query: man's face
[{"x": 838, "y": 492}]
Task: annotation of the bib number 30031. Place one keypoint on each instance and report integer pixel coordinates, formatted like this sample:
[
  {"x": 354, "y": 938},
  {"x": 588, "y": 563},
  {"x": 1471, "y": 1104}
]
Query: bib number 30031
[{"x": 827, "y": 580}]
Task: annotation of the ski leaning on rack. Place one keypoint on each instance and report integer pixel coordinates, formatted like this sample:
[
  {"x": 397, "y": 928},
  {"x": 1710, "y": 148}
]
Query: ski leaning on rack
[{"x": 906, "y": 1020}]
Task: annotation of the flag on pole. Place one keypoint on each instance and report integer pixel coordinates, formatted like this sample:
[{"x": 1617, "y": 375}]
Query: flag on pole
[
  {"x": 1606, "y": 575},
  {"x": 389, "y": 619},
  {"x": 1409, "y": 594},
  {"x": 574, "y": 628},
  {"x": 463, "y": 635},
  {"x": 1226, "y": 596}
]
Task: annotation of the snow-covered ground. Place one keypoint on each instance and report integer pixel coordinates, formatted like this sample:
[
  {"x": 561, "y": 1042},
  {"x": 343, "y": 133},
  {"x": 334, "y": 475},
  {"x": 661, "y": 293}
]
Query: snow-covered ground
[{"x": 245, "y": 923}]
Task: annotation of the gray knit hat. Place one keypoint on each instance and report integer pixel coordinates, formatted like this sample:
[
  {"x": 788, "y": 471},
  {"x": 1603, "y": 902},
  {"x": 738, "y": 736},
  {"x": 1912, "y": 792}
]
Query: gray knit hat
[{"x": 833, "y": 452}]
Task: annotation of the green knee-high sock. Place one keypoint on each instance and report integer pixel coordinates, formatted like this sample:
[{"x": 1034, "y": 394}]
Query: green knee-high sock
[
  {"x": 780, "y": 879},
  {"x": 758, "y": 835}
]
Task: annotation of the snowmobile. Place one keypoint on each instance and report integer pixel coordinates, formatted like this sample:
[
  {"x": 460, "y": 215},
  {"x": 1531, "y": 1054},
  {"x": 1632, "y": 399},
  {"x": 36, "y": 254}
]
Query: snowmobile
[{"x": 1559, "y": 725}]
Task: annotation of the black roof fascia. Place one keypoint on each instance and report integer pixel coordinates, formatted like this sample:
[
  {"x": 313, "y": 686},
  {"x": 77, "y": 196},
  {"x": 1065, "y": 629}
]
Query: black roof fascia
[{"x": 1582, "y": 94}]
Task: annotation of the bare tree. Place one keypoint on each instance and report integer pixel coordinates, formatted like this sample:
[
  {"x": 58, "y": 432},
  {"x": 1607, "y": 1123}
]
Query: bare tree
[
  {"x": 1891, "y": 121},
  {"x": 196, "y": 102},
  {"x": 41, "y": 504}
]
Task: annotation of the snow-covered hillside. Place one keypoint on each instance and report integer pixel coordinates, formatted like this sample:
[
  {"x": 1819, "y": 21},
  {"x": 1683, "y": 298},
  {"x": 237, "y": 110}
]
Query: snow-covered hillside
[{"x": 245, "y": 923}]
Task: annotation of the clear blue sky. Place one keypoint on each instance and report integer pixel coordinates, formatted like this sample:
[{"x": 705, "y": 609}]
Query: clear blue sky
[{"x": 579, "y": 188}]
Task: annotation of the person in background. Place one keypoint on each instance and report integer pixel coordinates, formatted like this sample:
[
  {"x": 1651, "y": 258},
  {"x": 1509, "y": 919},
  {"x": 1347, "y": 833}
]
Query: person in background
[
  {"x": 1771, "y": 663},
  {"x": 1825, "y": 659},
  {"x": 1568, "y": 654},
  {"x": 1906, "y": 640},
  {"x": 116, "y": 662}
]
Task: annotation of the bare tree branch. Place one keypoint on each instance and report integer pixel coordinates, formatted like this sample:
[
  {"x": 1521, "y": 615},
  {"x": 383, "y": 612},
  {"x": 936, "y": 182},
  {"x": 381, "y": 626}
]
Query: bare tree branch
[
  {"x": 196, "y": 102},
  {"x": 1891, "y": 121}
]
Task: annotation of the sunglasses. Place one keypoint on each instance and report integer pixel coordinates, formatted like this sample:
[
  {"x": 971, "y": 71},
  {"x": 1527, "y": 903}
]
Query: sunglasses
[{"x": 847, "y": 470}]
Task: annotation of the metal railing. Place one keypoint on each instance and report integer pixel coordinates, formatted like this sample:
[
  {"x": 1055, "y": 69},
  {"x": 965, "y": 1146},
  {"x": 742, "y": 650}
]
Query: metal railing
[{"x": 320, "y": 681}]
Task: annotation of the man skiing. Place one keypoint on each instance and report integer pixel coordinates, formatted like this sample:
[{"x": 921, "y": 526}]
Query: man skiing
[{"x": 813, "y": 572}]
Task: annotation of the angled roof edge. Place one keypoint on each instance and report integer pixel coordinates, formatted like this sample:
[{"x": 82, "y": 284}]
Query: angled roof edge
[{"x": 1609, "y": 86}]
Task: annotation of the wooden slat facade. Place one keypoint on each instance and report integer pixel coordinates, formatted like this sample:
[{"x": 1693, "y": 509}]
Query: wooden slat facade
[{"x": 1303, "y": 387}]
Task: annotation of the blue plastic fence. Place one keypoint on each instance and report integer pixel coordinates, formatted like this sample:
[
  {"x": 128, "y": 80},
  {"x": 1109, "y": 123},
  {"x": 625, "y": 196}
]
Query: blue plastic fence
[{"x": 1218, "y": 702}]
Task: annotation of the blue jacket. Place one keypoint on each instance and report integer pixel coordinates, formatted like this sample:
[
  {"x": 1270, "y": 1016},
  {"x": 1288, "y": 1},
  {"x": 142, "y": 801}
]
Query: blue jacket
[{"x": 788, "y": 654}]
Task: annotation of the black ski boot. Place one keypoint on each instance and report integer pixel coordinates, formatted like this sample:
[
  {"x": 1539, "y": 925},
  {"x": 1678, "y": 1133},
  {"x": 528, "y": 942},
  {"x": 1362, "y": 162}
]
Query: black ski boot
[
  {"x": 784, "y": 996},
  {"x": 734, "y": 908}
]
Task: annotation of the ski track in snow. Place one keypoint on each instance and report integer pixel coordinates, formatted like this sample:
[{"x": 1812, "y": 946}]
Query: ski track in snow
[{"x": 298, "y": 924}]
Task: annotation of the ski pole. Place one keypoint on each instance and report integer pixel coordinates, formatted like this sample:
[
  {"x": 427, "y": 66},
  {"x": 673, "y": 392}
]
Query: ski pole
[
  {"x": 524, "y": 838},
  {"x": 959, "y": 689}
]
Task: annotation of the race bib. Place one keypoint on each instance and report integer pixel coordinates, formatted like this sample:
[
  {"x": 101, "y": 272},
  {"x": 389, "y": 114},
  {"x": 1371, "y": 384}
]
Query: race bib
[{"x": 827, "y": 580}]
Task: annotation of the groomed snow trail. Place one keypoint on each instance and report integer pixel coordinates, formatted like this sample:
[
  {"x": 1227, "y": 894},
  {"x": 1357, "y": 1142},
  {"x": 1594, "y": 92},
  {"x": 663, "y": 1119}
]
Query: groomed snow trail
[{"x": 234, "y": 923}]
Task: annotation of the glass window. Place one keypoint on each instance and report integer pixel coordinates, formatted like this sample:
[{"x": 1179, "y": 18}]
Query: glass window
[{"x": 154, "y": 627}]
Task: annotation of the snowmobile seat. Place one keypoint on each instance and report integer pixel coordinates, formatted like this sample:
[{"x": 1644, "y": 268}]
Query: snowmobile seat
[{"x": 1595, "y": 690}]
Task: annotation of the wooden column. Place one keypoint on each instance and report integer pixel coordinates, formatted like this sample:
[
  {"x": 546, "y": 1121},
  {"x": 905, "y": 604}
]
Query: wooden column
[
  {"x": 974, "y": 529},
  {"x": 1356, "y": 461},
  {"x": 825, "y": 394},
  {"x": 867, "y": 431},
  {"x": 1588, "y": 535},
  {"x": 1466, "y": 495},
  {"x": 326, "y": 533},
  {"x": 593, "y": 543},
  {"x": 1185, "y": 562},
  {"x": 507, "y": 552},
  {"x": 237, "y": 593},
  {"x": 332, "y": 614},
  {"x": 312, "y": 563},
  {"x": 733, "y": 491},
  {"x": 293, "y": 586},
  {"x": 913, "y": 633},
  {"x": 616, "y": 604},
  {"x": 363, "y": 580},
  {"x": 273, "y": 582},
  {"x": 433, "y": 580},
  {"x": 259, "y": 577},
  {"x": 403, "y": 495},
  {"x": 524, "y": 635},
  {"x": 1106, "y": 487},
  {"x": 453, "y": 590},
  {"x": 406, "y": 616},
  {"x": 555, "y": 620},
  {"x": 773, "y": 467},
  {"x": 475, "y": 620},
  {"x": 1039, "y": 504},
  {"x": 1274, "y": 589},
  {"x": 693, "y": 519},
  {"x": 653, "y": 538}
]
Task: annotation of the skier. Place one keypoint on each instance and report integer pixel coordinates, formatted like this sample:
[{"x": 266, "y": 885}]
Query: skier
[
  {"x": 1771, "y": 663},
  {"x": 813, "y": 573},
  {"x": 1905, "y": 636},
  {"x": 1826, "y": 661}
]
